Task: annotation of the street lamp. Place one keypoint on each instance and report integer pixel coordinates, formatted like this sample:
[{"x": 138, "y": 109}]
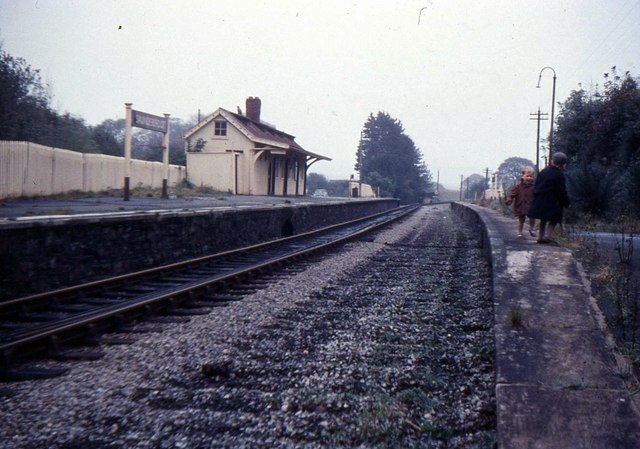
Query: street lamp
[{"x": 553, "y": 104}]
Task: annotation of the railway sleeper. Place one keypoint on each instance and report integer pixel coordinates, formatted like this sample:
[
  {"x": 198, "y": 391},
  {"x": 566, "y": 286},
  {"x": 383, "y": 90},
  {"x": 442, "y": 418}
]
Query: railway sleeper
[
  {"x": 40, "y": 316},
  {"x": 258, "y": 284},
  {"x": 242, "y": 291},
  {"x": 168, "y": 319},
  {"x": 203, "y": 272},
  {"x": 139, "y": 328},
  {"x": 223, "y": 298},
  {"x": 187, "y": 311},
  {"x": 99, "y": 301},
  {"x": 140, "y": 289},
  {"x": 76, "y": 355},
  {"x": 162, "y": 284},
  {"x": 30, "y": 373},
  {"x": 182, "y": 279},
  {"x": 55, "y": 351},
  {"x": 115, "y": 341},
  {"x": 70, "y": 308},
  {"x": 96, "y": 336},
  {"x": 11, "y": 326},
  {"x": 203, "y": 303}
]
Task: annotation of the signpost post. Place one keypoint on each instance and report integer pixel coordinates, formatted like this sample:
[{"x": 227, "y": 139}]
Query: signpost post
[
  {"x": 165, "y": 160},
  {"x": 151, "y": 122},
  {"x": 127, "y": 151}
]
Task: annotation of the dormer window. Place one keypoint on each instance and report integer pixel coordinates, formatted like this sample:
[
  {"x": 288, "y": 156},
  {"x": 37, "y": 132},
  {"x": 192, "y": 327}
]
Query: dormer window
[{"x": 220, "y": 129}]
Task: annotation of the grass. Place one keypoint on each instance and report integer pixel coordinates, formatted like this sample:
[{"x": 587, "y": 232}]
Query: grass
[
  {"x": 516, "y": 317},
  {"x": 182, "y": 190},
  {"x": 381, "y": 421}
]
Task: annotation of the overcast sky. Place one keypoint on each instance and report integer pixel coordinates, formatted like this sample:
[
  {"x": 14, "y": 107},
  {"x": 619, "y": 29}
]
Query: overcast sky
[{"x": 460, "y": 75}]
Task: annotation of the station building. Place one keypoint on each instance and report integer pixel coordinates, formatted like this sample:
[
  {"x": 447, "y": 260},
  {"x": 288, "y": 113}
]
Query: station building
[{"x": 240, "y": 154}]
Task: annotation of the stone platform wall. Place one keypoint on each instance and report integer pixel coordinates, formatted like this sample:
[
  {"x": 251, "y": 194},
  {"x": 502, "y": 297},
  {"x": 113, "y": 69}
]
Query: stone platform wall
[{"x": 40, "y": 255}]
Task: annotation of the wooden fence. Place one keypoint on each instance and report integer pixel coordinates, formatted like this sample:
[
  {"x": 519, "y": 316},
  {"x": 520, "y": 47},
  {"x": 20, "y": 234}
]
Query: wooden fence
[{"x": 28, "y": 169}]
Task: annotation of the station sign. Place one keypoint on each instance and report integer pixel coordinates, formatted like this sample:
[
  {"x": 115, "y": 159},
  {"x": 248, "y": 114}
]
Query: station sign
[{"x": 149, "y": 121}]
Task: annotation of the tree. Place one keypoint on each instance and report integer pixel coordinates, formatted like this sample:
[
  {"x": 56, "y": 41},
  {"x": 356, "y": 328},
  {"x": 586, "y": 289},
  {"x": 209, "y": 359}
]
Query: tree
[
  {"x": 576, "y": 119},
  {"x": 178, "y": 128},
  {"x": 590, "y": 187},
  {"x": 628, "y": 191},
  {"x": 25, "y": 113},
  {"x": 338, "y": 187},
  {"x": 388, "y": 160},
  {"x": 510, "y": 171},
  {"x": 600, "y": 132},
  {"x": 474, "y": 186},
  {"x": 316, "y": 181},
  {"x": 109, "y": 137},
  {"x": 23, "y": 99},
  {"x": 385, "y": 186},
  {"x": 146, "y": 144},
  {"x": 71, "y": 133}
]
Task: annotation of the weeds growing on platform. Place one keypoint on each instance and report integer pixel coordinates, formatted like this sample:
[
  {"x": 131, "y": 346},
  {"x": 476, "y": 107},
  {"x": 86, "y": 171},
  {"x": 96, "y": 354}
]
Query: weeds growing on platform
[
  {"x": 516, "y": 317},
  {"x": 181, "y": 190},
  {"x": 615, "y": 282}
]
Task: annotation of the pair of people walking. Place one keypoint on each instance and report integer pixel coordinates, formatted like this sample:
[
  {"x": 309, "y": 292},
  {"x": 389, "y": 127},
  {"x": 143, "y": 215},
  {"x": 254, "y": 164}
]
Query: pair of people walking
[{"x": 544, "y": 199}]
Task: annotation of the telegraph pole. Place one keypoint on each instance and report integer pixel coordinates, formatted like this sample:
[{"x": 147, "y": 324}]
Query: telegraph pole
[{"x": 538, "y": 116}]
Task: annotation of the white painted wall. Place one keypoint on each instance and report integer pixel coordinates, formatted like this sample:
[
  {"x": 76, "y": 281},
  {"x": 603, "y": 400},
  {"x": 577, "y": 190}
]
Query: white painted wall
[
  {"x": 28, "y": 169},
  {"x": 215, "y": 166}
]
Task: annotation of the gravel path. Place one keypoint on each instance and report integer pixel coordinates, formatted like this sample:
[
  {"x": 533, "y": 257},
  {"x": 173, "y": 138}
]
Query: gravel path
[{"x": 387, "y": 344}]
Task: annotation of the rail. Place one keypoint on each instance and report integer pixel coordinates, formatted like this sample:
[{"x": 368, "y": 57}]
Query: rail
[{"x": 44, "y": 322}]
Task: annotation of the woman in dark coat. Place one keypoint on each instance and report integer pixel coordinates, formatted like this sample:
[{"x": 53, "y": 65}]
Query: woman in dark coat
[{"x": 550, "y": 197}]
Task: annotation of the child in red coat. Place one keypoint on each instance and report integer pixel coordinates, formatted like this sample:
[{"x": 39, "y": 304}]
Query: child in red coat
[{"x": 521, "y": 196}]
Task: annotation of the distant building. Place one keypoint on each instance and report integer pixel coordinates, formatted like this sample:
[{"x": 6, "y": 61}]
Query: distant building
[
  {"x": 239, "y": 153},
  {"x": 494, "y": 193},
  {"x": 361, "y": 190}
]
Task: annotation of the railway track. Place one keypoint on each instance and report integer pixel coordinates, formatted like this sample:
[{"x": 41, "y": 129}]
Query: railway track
[{"x": 51, "y": 324}]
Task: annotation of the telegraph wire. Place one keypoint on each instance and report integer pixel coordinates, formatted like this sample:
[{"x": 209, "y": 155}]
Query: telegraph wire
[{"x": 604, "y": 45}]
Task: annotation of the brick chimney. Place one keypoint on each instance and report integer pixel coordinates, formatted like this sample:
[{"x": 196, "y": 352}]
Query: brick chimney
[{"x": 252, "y": 110}]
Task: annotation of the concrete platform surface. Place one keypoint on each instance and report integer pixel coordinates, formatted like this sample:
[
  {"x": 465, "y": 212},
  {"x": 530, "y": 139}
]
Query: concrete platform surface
[
  {"x": 560, "y": 383},
  {"x": 43, "y": 207}
]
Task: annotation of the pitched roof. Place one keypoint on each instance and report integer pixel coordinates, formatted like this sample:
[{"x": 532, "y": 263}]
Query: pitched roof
[{"x": 257, "y": 132}]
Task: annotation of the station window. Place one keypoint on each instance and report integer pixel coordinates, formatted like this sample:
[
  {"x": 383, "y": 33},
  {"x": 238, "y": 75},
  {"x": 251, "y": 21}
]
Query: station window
[{"x": 220, "y": 129}]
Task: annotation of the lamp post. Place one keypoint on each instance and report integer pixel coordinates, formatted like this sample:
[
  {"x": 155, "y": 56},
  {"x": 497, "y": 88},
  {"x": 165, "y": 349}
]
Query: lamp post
[{"x": 553, "y": 105}]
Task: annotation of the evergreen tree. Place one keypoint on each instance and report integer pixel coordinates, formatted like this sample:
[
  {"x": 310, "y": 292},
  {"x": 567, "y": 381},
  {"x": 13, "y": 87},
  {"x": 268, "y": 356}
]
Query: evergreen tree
[{"x": 388, "y": 160}]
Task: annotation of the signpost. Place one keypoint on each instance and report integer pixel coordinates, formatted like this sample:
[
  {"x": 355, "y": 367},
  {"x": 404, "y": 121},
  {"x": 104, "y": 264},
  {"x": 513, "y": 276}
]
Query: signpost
[{"x": 151, "y": 122}]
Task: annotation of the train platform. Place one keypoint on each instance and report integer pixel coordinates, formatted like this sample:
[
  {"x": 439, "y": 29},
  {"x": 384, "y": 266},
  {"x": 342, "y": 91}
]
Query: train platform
[
  {"x": 560, "y": 382},
  {"x": 39, "y": 208}
]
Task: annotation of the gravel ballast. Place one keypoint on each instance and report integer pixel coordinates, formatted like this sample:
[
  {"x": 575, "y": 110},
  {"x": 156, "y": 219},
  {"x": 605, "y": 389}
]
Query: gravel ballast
[{"x": 386, "y": 343}]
